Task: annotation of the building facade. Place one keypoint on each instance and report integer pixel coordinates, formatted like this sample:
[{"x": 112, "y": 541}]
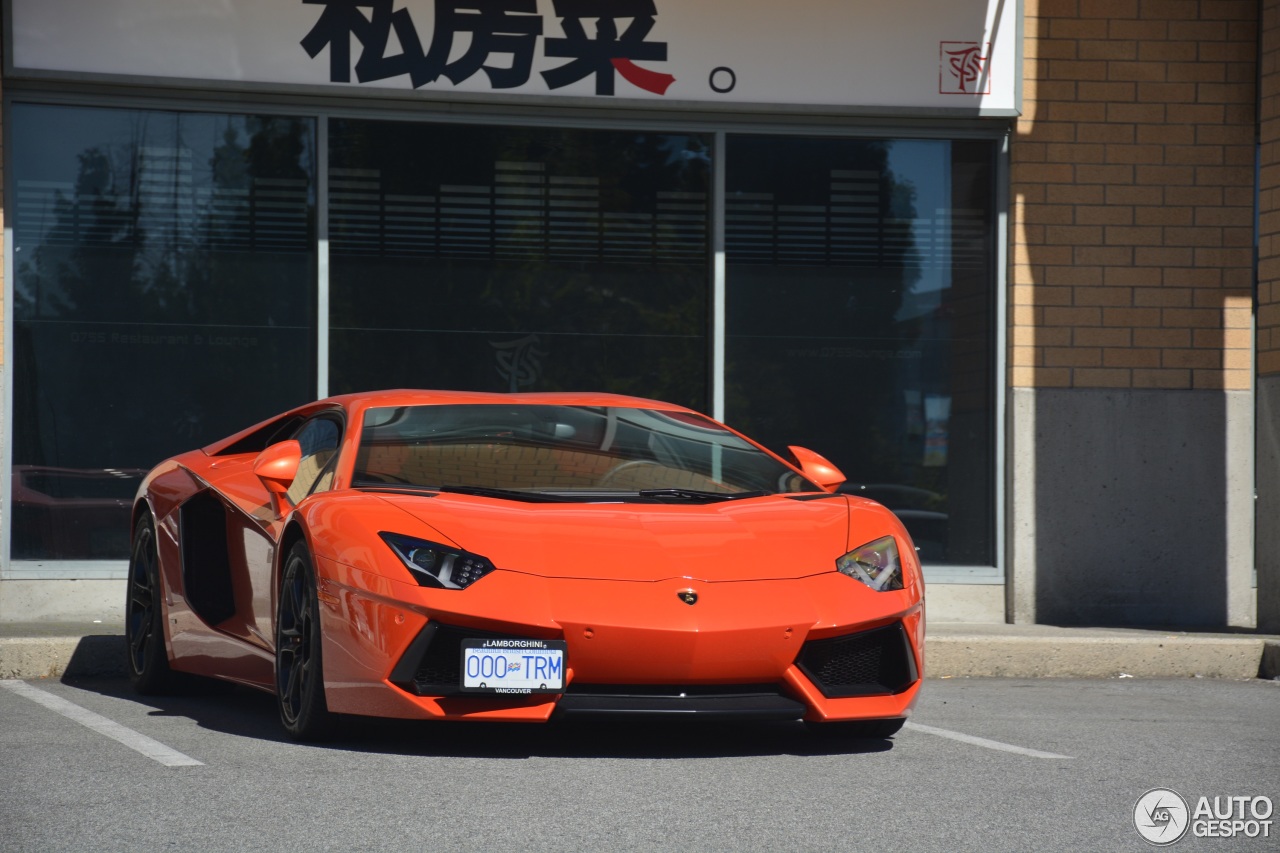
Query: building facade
[{"x": 1008, "y": 265}]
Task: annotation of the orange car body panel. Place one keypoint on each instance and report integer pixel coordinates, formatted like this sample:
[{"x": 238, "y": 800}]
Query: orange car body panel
[{"x": 603, "y": 577}]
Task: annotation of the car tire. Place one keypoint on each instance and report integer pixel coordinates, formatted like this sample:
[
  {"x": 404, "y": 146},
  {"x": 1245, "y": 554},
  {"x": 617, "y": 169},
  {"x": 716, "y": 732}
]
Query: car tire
[
  {"x": 148, "y": 661},
  {"x": 857, "y": 728},
  {"x": 299, "y": 663}
]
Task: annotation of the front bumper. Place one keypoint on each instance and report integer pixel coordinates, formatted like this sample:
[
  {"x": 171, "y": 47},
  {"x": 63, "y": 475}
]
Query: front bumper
[{"x": 816, "y": 648}]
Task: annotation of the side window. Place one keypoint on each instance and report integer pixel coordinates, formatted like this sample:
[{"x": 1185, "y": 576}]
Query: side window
[{"x": 319, "y": 438}]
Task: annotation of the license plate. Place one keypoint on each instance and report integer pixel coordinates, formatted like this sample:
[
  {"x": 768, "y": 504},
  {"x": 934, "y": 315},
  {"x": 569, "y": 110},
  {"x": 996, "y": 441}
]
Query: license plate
[{"x": 513, "y": 666}]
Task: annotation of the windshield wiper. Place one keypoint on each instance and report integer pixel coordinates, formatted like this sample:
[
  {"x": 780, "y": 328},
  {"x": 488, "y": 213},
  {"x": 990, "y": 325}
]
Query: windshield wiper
[
  {"x": 680, "y": 495},
  {"x": 698, "y": 494},
  {"x": 506, "y": 494},
  {"x": 480, "y": 491}
]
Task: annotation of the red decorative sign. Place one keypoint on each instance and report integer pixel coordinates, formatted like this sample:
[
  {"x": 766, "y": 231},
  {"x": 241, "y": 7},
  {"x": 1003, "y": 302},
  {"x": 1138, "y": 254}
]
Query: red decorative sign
[{"x": 963, "y": 68}]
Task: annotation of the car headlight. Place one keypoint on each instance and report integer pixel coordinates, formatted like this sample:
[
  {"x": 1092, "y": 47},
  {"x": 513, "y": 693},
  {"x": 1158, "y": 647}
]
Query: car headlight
[
  {"x": 876, "y": 564},
  {"x": 433, "y": 564}
]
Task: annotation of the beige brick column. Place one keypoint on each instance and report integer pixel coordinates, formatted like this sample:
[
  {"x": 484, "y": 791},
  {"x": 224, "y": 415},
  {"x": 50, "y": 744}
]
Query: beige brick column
[
  {"x": 1267, "y": 547},
  {"x": 1131, "y": 297},
  {"x": 1133, "y": 172}
]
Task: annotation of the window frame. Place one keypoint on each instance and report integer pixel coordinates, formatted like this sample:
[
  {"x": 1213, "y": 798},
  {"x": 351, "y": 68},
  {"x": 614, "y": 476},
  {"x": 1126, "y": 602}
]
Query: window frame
[{"x": 330, "y": 465}]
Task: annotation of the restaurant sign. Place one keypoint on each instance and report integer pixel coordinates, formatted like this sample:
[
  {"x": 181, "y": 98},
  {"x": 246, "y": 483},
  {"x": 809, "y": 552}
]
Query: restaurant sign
[{"x": 958, "y": 55}]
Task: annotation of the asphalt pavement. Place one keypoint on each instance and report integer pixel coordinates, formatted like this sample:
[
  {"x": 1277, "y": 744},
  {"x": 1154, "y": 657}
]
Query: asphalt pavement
[{"x": 985, "y": 764}]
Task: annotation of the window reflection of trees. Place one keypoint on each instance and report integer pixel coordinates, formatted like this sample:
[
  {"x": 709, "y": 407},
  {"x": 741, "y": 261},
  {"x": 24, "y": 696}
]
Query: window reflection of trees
[{"x": 164, "y": 281}]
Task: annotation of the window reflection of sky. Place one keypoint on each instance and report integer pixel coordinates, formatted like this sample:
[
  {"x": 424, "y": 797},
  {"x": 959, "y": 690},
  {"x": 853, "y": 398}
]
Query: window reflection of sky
[
  {"x": 858, "y": 319},
  {"x": 923, "y": 166}
]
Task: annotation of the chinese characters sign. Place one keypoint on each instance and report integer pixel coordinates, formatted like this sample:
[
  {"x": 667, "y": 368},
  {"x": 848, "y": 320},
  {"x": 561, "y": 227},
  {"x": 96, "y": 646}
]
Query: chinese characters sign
[
  {"x": 955, "y": 56},
  {"x": 500, "y": 38}
]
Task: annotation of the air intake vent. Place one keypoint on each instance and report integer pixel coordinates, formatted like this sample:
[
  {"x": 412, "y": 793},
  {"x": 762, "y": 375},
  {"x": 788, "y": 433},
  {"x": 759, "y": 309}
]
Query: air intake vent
[
  {"x": 432, "y": 665},
  {"x": 875, "y": 662}
]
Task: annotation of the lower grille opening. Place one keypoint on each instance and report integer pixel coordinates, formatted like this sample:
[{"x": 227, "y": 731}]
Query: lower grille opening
[
  {"x": 672, "y": 690},
  {"x": 869, "y": 663},
  {"x": 432, "y": 665},
  {"x": 673, "y": 701}
]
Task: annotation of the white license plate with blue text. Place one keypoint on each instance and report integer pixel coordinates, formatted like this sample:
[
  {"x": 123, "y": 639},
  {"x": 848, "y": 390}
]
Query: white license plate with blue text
[{"x": 513, "y": 666}]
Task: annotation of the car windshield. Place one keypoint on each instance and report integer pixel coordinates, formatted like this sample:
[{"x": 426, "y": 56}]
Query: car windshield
[{"x": 540, "y": 452}]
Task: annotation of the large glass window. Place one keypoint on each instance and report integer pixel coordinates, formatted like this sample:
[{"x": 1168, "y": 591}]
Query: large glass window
[
  {"x": 164, "y": 297},
  {"x": 860, "y": 320},
  {"x": 165, "y": 287},
  {"x": 518, "y": 259}
]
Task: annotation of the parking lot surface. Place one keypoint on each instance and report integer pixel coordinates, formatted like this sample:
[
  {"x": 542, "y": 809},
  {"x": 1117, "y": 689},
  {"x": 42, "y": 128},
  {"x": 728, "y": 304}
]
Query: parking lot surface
[{"x": 985, "y": 764}]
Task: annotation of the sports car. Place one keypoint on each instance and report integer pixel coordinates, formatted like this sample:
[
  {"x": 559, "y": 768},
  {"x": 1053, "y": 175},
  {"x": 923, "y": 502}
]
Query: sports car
[{"x": 524, "y": 558}]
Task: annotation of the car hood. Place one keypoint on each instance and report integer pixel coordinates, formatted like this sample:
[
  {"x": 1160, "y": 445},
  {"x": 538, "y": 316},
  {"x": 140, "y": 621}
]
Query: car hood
[{"x": 750, "y": 539}]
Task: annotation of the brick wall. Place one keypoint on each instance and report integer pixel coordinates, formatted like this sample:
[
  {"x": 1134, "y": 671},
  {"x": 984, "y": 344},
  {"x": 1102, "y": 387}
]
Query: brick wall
[
  {"x": 1269, "y": 196},
  {"x": 1132, "y": 182}
]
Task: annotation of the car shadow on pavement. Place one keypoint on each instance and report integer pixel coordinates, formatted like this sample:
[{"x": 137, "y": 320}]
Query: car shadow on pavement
[
  {"x": 244, "y": 712},
  {"x": 215, "y": 705},
  {"x": 620, "y": 739}
]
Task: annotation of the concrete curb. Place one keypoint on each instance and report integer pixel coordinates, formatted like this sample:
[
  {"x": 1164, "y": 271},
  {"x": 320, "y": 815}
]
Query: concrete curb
[
  {"x": 52, "y": 657},
  {"x": 1100, "y": 657},
  {"x": 953, "y": 651}
]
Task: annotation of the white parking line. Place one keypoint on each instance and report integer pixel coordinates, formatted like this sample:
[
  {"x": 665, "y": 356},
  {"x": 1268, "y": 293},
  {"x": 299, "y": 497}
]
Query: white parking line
[
  {"x": 152, "y": 749},
  {"x": 983, "y": 742}
]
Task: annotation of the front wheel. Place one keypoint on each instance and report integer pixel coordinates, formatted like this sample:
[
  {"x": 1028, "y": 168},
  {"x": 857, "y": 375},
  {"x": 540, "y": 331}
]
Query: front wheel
[
  {"x": 857, "y": 728},
  {"x": 299, "y": 668},
  {"x": 144, "y": 617}
]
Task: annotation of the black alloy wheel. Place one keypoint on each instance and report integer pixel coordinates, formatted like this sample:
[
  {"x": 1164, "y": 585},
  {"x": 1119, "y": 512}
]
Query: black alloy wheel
[
  {"x": 143, "y": 621},
  {"x": 299, "y": 668}
]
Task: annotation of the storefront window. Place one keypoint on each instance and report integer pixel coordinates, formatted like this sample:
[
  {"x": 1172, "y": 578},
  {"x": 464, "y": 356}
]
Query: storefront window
[
  {"x": 860, "y": 320},
  {"x": 518, "y": 259},
  {"x": 165, "y": 288},
  {"x": 164, "y": 293}
]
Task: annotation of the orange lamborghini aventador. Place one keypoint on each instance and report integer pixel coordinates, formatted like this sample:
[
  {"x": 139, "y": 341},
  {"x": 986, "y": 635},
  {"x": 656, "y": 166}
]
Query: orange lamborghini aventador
[{"x": 523, "y": 557}]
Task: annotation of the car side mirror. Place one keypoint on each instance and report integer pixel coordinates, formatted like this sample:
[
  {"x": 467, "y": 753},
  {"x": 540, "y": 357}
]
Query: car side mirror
[
  {"x": 816, "y": 467},
  {"x": 276, "y": 467}
]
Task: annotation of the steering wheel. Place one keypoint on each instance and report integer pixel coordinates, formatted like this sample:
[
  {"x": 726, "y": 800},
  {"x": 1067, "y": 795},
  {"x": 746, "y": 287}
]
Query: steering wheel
[{"x": 619, "y": 470}]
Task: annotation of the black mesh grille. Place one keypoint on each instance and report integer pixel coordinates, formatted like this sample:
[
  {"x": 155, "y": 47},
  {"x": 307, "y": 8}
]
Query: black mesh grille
[
  {"x": 432, "y": 665},
  {"x": 873, "y": 662},
  {"x": 442, "y": 664}
]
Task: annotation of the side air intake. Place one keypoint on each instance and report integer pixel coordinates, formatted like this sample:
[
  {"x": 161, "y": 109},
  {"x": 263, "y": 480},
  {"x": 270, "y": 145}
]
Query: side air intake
[{"x": 870, "y": 663}]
